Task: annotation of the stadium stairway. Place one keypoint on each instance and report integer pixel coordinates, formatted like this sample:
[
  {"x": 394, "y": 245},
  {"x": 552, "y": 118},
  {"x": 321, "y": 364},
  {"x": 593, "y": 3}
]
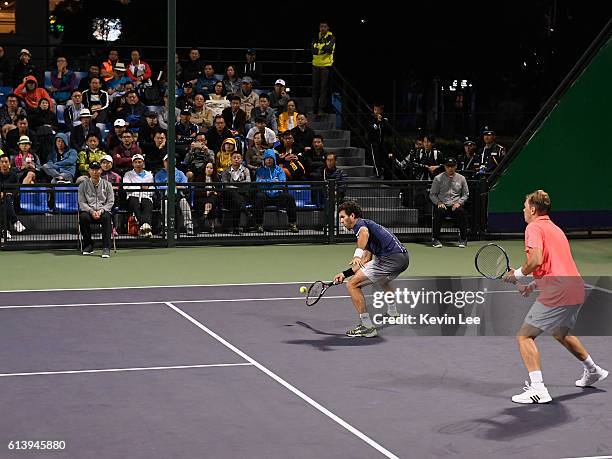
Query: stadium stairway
[
  {"x": 380, "y": 203},
  {"x": 350, "y": 159}
]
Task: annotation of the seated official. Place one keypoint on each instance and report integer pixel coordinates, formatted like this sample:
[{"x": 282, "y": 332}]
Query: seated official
[
  {"x": 449, "y": 192},
  {"x": 96, "y": 200}
]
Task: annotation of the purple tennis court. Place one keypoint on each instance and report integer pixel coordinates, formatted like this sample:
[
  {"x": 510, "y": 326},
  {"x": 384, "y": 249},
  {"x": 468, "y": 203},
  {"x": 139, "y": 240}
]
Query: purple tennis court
[{"x": 249, "y": 371}]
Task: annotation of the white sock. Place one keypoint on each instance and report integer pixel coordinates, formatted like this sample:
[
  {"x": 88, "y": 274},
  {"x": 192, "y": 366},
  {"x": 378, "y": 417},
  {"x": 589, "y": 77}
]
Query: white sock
[
  {"x": 366, "y": 321},
  {"x": 391, "y": 308},
  {"x": 589, "y": 365},
  {"x": 536, "y": 380}
]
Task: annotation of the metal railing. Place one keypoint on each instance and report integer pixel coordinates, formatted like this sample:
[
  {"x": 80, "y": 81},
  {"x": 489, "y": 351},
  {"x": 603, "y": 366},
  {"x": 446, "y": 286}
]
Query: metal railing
[{"x": 235, "y": 214}]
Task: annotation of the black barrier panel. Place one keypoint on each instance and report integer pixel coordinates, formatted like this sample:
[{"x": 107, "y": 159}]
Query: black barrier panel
[{"x": 46, "y": 215}]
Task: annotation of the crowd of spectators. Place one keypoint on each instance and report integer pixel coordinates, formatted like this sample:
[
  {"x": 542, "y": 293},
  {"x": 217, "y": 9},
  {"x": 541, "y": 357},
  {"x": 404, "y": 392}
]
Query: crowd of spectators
[{"x": 229, "y": 129}]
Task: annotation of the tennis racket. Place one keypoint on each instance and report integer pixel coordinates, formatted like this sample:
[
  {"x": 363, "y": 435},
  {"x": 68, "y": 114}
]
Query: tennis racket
[
  {"x": 316, "y": 291},
  {"x": 492, "y": 261}
]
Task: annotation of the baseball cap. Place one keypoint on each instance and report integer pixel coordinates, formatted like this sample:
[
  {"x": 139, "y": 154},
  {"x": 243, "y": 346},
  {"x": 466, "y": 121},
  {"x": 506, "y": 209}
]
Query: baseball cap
[
  {"x": 188, "y": 84},
  {"x": 25, "y": 51},
  {"x": 108, "y": 158},
  {"x": 120, "y": 122},
  {"x": 120, "y": 66},
  {"x": 251, "y": 51},
  {"x": 24, "y": 139},
  {"x": 185, "y": 112},
  {"x": 451, "y": 162},
  {"x": 488, "y": 131},
  {"x": 468, "y": 141},
  {"x": 137, "y": 156},
  {"x": 247, "y": 79},
  {"x": 150, "y": 114},
  {"x": 85, "y": 113},
  {"x": 280, "y": 81},
  {"x": 95, "y": 165}
]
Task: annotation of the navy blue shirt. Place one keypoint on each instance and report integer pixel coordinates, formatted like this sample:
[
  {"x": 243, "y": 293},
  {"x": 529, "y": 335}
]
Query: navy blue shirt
[{"x": 381, "y": 241}]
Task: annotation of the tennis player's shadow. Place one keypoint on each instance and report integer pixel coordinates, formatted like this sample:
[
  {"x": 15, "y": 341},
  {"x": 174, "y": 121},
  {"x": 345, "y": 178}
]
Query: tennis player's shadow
[
  {"x": 520, "y": 420},
  {"x": 332, "y": 340}
]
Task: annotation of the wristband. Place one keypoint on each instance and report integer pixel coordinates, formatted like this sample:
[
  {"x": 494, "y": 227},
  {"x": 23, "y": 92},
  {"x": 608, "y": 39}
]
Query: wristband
[
  {"x": 518, "y": 273},
  {"x": 358, "y": 253},
  {"x": 348, "y": 273}
]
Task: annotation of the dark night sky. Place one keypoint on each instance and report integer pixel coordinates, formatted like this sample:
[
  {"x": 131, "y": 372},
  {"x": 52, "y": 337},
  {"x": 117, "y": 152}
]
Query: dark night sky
[{"x": 486, "y": 42}]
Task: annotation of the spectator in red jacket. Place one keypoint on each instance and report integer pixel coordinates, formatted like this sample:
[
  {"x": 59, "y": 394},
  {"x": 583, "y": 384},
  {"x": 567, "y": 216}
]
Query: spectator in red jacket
[
  {"x": 122, "y": 154},
  {"x": 31, "y": 94}
]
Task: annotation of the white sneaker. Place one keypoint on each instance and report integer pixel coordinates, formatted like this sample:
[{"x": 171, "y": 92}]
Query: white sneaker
[
  {"x": 532, "y": 395},
  {"x": 146, "y": 230},
  {"x": 589, "y": 378},
  {"x": 18, "y": 226}
]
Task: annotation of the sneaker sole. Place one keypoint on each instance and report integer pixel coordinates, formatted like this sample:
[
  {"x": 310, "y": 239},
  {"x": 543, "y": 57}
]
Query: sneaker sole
[
  {"x": 531, "y": 402},
  {"x": 603, "y": 376},
  {"x": 369, "y": 335}
]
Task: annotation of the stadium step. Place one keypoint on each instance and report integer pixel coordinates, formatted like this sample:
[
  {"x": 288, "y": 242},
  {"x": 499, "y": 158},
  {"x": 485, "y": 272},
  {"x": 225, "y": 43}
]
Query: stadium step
[
  {"x": 393, "y": 202},
  {"x": 391, "y": 217},
  {"x": 350, "y": 152},
  {"x": 358, "y": 191},
  {"x": 349, "y": 161},
  {"x": 334, "y": 134},
  {"x": 336, "y": 143},
  {"x": 358, "y": 171}
]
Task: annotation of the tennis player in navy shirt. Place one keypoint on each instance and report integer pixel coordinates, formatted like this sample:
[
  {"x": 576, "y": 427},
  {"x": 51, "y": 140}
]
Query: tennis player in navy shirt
[{"x": 390, "y": 260}]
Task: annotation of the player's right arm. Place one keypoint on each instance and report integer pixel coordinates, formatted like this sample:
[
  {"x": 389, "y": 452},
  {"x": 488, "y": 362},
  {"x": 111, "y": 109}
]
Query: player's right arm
[{"x": 360, "y": 257}]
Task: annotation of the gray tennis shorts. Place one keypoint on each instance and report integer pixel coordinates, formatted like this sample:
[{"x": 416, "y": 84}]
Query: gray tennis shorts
[
  {"x": 551, "y": 319},
  {"x": 385, "y": 269}
]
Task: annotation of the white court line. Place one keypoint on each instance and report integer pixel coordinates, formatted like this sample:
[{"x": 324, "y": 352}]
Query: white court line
[
  {"x": 287, "y": 385},
  {"x": 220, "y": 300},
  {"x": 118, "y": 370},
  {"x": 589, "y": 457},
  {"x": 401, "y": 279},
  {"x": 601, "y": 289},
  {"x": 136, "y": 303}
]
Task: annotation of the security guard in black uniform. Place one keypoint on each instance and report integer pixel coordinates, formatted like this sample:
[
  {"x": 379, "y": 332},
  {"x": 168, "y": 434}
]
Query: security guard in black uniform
[
  {"x": 469, "y": 161},
  {"x": 491, "y": 153},
  {"x": 424, "y": 163}
]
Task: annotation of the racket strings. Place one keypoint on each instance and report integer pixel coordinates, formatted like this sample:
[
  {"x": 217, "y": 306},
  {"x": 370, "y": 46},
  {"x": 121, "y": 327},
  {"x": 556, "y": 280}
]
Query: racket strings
[
  {"x": 314, "y": 292},
  {"x": 492, "y": 262}
]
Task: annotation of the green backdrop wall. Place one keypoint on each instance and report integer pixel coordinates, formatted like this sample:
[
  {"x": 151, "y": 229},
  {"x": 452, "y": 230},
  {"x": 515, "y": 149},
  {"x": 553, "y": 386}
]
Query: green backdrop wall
[{"x": 569, "y": 156}]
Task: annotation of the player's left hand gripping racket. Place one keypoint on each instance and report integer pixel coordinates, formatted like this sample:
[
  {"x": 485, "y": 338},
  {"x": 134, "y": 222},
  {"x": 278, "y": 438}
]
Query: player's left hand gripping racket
[
  {"x": 492, "y": 261},
  {"x": 316, "y": 291}
]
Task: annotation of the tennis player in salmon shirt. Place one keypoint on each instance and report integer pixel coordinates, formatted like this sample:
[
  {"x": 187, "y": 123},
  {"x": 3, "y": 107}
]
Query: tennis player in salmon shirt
[{"x": 550, "y": 262}]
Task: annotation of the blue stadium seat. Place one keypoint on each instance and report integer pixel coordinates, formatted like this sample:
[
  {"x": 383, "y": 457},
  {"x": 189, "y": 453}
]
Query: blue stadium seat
[
  {"x": 47, "y": 81},
  {"x": 155, "y": 108},
  {"x": 59, "y": 111},
  {"x": 302, "y": 196},
  {"x": 66, "y": 200},
  {"x": 218, "y": 77},
  {"x": 33, "y": 200},
  {"x": 79, "y": 77},
  {"x": 4, "y": 91}
]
